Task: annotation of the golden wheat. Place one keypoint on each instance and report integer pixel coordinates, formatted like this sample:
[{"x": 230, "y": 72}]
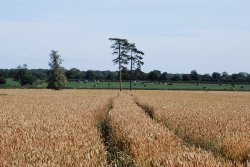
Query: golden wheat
[
  {"x": 149, "y": 143},
  {"x": 217, "y": 119},
  {"x": 48, "y": 128},
  {"x": 59, "y": 128}
]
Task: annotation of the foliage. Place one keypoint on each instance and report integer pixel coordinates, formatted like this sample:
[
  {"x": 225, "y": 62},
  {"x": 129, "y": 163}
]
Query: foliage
[
  {"x": 194, "y": 75},
  {"x": 112, "y": 76},
  {"x": 134, "y": 58},
  {"x": 154, "y": 75},
  {"x": 120, "y": 50},
  {"x": 24, "y": 76},
  {"x": 56, "y": 78},
  {"x": 91, "y": 75},
  {"x": 216, "y": 76},
  {"x": 40, "y": 74},
  {"x": 186, "y": 77},
  {"x": 74, "y": 73},
  {"x": 2, "y": 80},
  {"x": 176, "y": 77},
  {"x": 164, "y": 76}
]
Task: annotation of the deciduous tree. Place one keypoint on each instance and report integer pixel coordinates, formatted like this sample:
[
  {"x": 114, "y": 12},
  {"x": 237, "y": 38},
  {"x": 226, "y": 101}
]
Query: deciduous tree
[
  {"x": 194, "y": 75},
  {"x": 2, "y": 80},
  {"x": 24, "y": 76},
  {"x": 56, "y": 78}
]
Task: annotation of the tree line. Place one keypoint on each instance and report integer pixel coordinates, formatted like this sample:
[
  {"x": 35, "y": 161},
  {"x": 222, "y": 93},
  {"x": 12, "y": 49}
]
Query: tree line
[
  {"x": 29, "y": 76},
  {"x": 54, "y": 77},
  {"x": 124, "y": 51},
  {"x": 129, "y": 60}
]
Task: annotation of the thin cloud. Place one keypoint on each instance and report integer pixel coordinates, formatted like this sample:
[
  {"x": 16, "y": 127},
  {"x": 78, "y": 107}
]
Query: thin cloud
[{"x": 177, "y": 36}]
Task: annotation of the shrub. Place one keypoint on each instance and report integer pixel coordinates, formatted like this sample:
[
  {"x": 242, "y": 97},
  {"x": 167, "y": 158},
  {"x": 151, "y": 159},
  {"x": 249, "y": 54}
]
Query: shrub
[
  {"x": 2, "y": 80},
  {"x": 24, "y": 76},
  {"x": 28, "y": 79}
]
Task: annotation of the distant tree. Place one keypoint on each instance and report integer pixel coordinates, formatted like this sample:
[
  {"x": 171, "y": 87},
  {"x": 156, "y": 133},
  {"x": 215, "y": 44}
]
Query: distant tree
[
  {"x": 111, "y": 76},
  {"x": 100, "y": 75},
  {"x": 248, "y": 78},
  {"x": 74, "y": 73},
  {"x": 225, "y": 76},
  {"x": 2, "y": 80},
  {"x": 194, "y": 75},
  {"x": 234, "y": 77},
  {"x": 91, "y": 75},
  {"x": 216, "y": 76},
  {"x": 164, "y": 76},
  {"x": 120, "y": 49},
  {"x": 11, "y": 73},
  {"x": 24, "y": 76},
  {"x": 56, "y": 78},
  {"x": 140, "y": 75},
  {"x": 176, "y": 77},
  {"x": 186, "y": 77},
  {"x": 125, "y": 74},
  {"x": 154, "y": 75},
  {"x": 134, "y": 58},
  {"x": 2, "y": 77},
  {"x": 40, "y": 74},
  {"x": 206, "y": 77},
  {"x": 242, "y": 77}
]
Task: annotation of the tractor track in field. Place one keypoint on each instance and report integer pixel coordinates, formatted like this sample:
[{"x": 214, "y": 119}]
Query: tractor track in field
[
  {"x": 187, "y": 139},
  {"x": 116, "y": 155}
]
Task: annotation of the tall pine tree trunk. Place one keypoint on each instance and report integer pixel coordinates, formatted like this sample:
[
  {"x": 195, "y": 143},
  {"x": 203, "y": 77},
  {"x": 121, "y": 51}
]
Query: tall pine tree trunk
[
  {"x": 120, "y": 70},
  {"x": 131, "y": 68}
]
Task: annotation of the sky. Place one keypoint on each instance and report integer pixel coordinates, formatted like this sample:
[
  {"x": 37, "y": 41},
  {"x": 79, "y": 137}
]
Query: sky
[{"x": 177, "y": 36}]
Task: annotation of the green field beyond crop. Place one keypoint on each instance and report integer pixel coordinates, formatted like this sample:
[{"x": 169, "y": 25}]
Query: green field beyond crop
[
  {"x": 138, "y": 85},
  {"x": 156, "y": 86}
]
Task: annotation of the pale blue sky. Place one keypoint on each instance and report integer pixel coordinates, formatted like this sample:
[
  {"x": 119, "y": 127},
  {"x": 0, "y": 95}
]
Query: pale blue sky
[{"x": 176, "y": 35}]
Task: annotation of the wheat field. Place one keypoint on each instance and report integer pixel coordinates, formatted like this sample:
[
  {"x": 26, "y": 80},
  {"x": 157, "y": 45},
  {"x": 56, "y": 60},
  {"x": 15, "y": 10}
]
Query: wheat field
[
  {"x": 110, "y": 128},
  {"x": 149, "y": 143},
  {"x": 216, "y": 121},
  {"x": 48, "y": 128}
]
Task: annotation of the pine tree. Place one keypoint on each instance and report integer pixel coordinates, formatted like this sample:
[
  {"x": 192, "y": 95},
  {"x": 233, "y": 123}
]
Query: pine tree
[
  {"x": 120, "y": 49},
  {"x": 135, "y": 58}
]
